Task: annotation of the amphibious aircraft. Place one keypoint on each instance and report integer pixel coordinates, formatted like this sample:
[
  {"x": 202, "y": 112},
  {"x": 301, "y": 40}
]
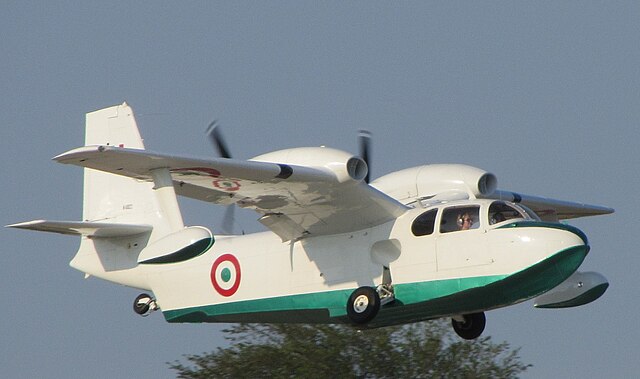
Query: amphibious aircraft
[{"x": 422, "y": 243}]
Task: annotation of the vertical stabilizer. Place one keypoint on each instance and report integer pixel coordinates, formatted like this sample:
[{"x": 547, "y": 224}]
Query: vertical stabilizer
[
  {"x": 130, "y": 227},
  {"x": 111, "y": 200},
  {"x": 117, "y": 199},
  {"x": 115, "y": 126}
]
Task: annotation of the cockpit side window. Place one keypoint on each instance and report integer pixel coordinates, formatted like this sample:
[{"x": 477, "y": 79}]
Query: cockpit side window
[
  {"x": 460, "y": 218},
  {"x": 500, "y": 211},
  {"x": 423, "y": 225}
]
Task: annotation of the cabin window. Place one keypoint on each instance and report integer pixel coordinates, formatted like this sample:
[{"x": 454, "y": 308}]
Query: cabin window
[
  {"x": 460, "y": 218},
  {"x": 424, "y": 224},
  {"x": 500, "y": 211}
]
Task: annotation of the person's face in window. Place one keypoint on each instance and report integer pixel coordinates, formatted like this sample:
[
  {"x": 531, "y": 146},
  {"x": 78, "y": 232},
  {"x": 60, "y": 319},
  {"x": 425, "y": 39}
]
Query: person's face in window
[{"x": 465, "y": 221}]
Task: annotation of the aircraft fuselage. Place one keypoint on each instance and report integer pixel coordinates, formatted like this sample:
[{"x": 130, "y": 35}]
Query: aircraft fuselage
[{"x": 259, "y": 278}]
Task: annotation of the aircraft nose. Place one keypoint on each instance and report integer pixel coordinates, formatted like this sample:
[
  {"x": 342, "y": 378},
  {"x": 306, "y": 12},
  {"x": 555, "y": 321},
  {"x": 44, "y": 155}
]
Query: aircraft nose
[
  {"x": 573, "y": 231},
  {"x": 544, "y": 239},
  {"x": 554, "y": 252},
  {"x": 577, "y": 232},
  {"x": 574, "y": 248}
]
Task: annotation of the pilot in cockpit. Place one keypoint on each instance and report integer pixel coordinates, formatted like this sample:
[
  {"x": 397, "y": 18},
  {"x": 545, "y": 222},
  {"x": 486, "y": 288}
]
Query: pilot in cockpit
[
  {"x": 497, "y": 217},
  {"x": 465, "y": 221}
]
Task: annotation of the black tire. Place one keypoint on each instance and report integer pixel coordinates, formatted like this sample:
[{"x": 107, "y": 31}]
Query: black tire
[
  {"x": 363, "y": 305},
  {"x": 472, "y": 327},
  {"x": 142, "y": 303}
]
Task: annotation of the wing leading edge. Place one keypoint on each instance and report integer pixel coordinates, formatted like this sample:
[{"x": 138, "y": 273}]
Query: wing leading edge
[{"x": 294, "y": 200}]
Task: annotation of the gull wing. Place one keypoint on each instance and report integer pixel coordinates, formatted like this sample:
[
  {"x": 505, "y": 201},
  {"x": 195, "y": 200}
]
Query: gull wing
[{"x": 294, "y": 201}]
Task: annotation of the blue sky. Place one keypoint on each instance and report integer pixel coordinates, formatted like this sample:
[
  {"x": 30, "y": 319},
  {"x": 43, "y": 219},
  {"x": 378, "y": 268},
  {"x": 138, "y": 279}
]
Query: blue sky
[{"x": 544, "y": 95}]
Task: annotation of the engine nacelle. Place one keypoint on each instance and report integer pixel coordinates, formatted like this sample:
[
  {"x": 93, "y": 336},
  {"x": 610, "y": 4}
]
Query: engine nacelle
[
  {"x": 440, "y": 181},
  {"x": 342, "y": 165},
  {"x": 579, "y": 289},
  {"x": 177, "y": 247}
]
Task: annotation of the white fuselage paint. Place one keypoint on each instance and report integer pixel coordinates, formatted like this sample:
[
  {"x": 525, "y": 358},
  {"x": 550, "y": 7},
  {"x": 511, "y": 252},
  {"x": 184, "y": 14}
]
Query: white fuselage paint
[{"x": 271, "y": 268}]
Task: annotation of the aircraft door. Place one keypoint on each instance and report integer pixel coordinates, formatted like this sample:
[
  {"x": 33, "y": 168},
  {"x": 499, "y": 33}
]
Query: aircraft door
[
  {"x": 423, "y": 228},
  {"x": 462, "y": 241}
]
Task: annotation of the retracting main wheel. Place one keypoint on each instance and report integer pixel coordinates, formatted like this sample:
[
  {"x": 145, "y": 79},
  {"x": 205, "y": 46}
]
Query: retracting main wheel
[
  {"x": 363, "y": 305},
  {"x": 472, "y": 326},
  {"x": 142, "y": 304}
]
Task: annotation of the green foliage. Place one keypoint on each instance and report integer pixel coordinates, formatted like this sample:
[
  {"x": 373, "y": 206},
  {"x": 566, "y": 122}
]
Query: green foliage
[{"x": 421, "y": 350}]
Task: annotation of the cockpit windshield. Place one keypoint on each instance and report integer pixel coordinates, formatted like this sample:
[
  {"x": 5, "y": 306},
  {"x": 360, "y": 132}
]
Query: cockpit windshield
[{"x": 500, "y": 211}]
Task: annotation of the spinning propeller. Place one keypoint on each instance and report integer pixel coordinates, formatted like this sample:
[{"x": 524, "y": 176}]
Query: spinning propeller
[
  {"x": 364, "y": 140},
  {"x": 213, "y": 130},
  {"x": 215, "y": 136},
  {"x": 218, "y": 142}
]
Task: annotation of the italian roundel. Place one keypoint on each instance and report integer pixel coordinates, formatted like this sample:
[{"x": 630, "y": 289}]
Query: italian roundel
[{"x": 225, "y": 275}]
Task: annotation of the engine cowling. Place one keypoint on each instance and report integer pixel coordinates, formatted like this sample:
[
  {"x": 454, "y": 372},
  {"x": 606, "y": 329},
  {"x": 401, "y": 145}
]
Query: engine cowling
[
  {"x": 342, "y": 165},
  {"x": 439, "y": 181}
]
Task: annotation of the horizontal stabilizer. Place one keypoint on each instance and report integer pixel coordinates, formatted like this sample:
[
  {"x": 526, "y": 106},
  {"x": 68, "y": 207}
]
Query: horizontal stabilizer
[{"x": 85, "y": 228}]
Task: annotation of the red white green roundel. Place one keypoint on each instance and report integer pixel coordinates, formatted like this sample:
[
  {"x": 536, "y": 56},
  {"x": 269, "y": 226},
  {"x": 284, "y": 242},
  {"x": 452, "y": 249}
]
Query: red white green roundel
[
  {"x": 225, "y": 275},
  {"x": 226, "y": 185}
]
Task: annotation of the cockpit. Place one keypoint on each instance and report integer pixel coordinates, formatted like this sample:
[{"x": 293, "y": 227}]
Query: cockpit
[{"x": 452, "y": 217}]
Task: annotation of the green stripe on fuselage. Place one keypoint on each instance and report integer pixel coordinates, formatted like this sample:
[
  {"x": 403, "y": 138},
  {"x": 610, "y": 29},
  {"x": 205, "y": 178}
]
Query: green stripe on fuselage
[{"x": 414, "y": 301}]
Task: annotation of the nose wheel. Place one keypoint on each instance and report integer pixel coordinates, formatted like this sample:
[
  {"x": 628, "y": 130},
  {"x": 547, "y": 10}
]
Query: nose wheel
[
  {"x": 469, "y": 326},
  {"x": 144, "y": 304}
]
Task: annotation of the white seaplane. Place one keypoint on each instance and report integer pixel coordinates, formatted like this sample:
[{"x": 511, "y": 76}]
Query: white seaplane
[{"x": 417, "y": 244}]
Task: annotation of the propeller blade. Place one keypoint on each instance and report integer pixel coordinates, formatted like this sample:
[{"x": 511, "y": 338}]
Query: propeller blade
[
  {"x": 228, "y": 220},
  {"x": 215, "y": 136},
  {"x": 364, "y": 140}
]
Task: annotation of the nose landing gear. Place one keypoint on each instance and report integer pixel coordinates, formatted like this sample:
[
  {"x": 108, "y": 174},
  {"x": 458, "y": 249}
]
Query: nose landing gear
[
  {"x": 469, "y": 326},
  {"x": 144, "y": 304}
]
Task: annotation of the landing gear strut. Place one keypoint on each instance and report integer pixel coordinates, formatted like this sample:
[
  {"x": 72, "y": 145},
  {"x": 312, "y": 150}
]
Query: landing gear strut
[
  {"x": 469, "y": 326},
  {"x": 144, "y": 304},
  {"x": 385, "y": 290}
]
